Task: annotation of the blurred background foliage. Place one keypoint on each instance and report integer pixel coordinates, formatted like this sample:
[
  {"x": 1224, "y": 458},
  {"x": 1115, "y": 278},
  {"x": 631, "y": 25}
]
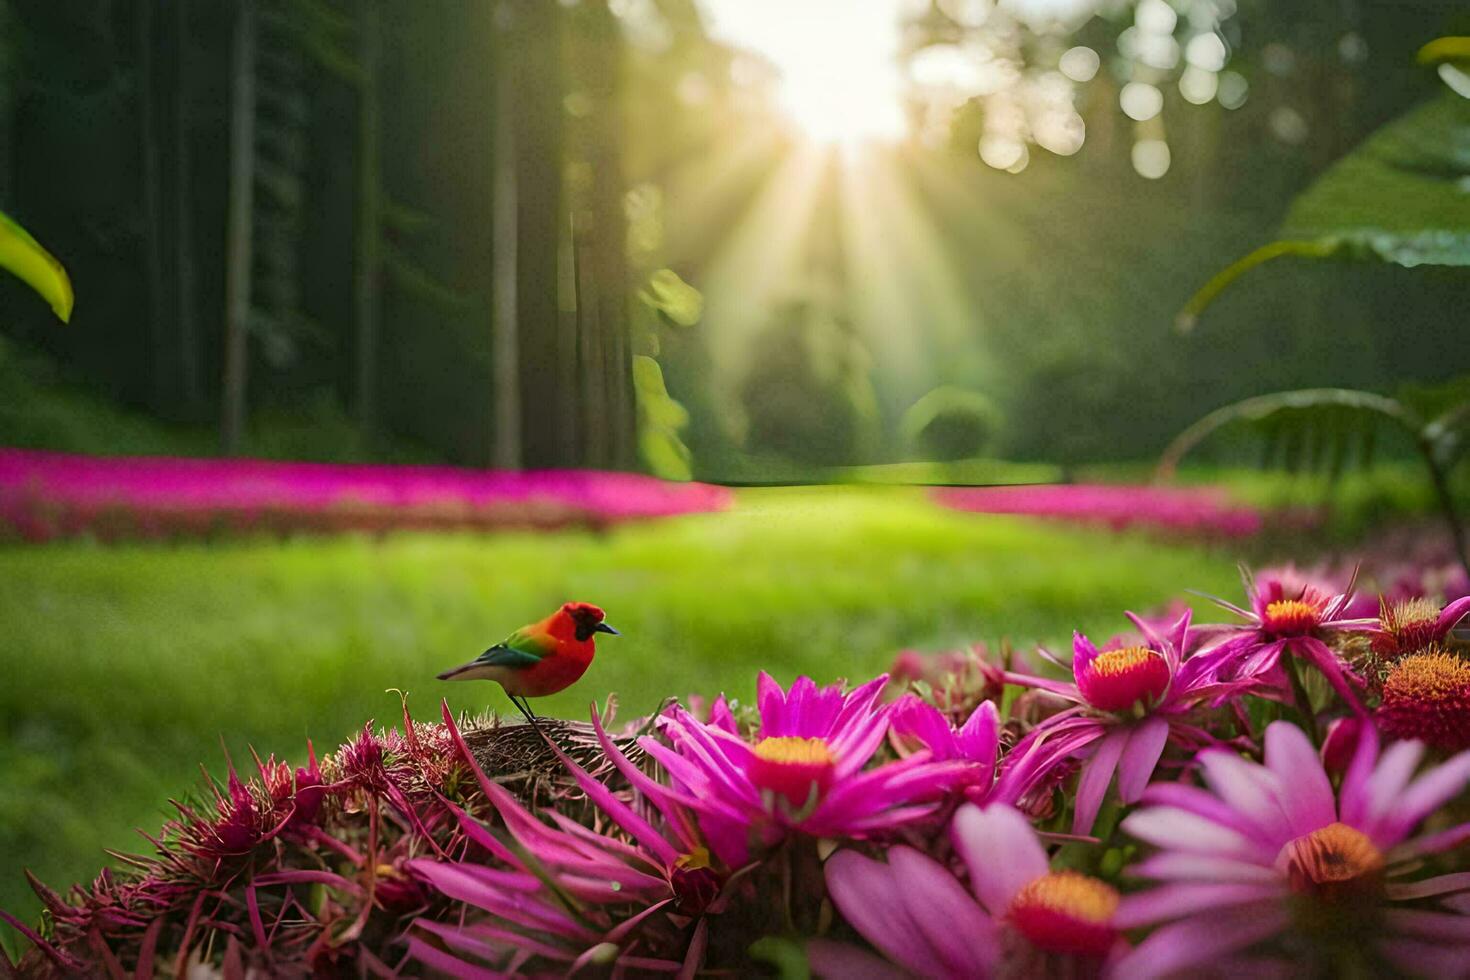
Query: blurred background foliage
[{"x": 582, "y": 234}]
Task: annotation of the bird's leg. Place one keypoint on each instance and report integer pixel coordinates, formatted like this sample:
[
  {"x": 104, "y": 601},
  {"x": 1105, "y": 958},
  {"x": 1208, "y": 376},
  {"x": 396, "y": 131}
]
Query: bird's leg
[{"x": 520, "y": 702}]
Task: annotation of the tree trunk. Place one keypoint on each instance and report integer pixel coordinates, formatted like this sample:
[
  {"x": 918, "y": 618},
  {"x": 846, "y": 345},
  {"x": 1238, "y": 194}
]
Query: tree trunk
[
  {"x": 188, "y": 339},
  {"x": 152, "y": 195},
  {"x": 610, "y": 364},
  {"x": 7, "y": 99},
  {"x": 367, "y": 286},
  {"x": 536, "y": 68},
  {"x": 505, "y": 452},
  {"x": 238, "y": 242}
]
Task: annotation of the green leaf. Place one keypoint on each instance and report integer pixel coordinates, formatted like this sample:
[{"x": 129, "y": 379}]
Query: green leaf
[
  {"x": 36, "y": 267},
  {"x": 680, "y": 302},
  {"x": 1403, "y": 196},
  {"x": 661, "y": 419},
  {"x": 785, "y": 956},
  {"x": 1304, "y": 429},
  {"x": 1445, "y": 49}
]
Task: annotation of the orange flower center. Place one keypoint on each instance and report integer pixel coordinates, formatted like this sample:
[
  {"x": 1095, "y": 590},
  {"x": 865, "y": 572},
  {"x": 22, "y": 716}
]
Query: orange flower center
[
  {"x": 793, "y": 767},
  {"x": 1332, "y": 861},
  {"x": 1291, "y": 617},
  {"x": 1431, "y": 676},
  {"x": 1427, "y": 696},
  {"x": 1116, "y": 680},
  {"x": 1066, "y": 912}
]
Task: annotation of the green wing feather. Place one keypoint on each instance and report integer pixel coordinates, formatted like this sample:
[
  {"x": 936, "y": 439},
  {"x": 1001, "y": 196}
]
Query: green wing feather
[{"x": 520, "y": 649}]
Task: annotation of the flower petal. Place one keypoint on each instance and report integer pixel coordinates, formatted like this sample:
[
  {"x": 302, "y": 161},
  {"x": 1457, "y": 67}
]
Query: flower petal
[
  {"x": 1439, "y": 885},
  {"x": 1175, "y": 948},
  {"x": 1181, "y": 830},
  {"x": 952, "y": 924},
  {"x": 1383, "y": 788},
  {"x": 1451, "y": 615},
  {"x": 843, "y": 961},
  {"x": 1447, "y": 927},
  {"x": 1168, "y": 902},
  {"x": 1000, "y": 850},
  {"x": 1422, "y": 958},
  {"x": 1141, "y": 757},
  {"x": 1253, "y": 791},
  {"x": 1306, "y": 794},
  {"x": 863, "y": 891},
  {"x": 1426, "y": 794},
  {"x": 1084, "y": 652},
  {"x": 770, "y": 699},
  {"x": 1097, "y": 774},
  {"x": 979, "y": 739},
  {"x": 1326, "y": 660},
  {"x": 1178, "y": 866}
]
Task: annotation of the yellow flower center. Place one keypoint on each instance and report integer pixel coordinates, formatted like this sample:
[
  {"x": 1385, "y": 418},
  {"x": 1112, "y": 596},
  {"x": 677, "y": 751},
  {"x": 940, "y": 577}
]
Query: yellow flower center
[
  {"x": 1116, "y": 680},
  {"x": 1291, "y": 616},
  {"x": 1330, "y": 859},
  {"x": 1066, "y": 912},
  {"x": 794, "y": 750},
  {"x": 1116, "y": 662},
  {"x": 793, "y": 767}
]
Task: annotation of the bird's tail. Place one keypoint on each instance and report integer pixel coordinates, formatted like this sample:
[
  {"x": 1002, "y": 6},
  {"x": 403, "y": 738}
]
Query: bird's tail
[{"x": 455, "y": 673}]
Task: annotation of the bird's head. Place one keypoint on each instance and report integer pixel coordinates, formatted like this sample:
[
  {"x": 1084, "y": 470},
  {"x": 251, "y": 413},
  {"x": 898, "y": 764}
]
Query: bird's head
[{"x": 586, "y": 619}]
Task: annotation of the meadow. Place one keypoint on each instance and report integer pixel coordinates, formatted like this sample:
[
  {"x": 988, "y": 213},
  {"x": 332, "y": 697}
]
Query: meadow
[{"x": 128, "y": 666}]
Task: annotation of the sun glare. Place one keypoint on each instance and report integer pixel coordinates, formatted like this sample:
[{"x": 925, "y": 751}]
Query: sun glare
[{"x": 837, "y": 61}]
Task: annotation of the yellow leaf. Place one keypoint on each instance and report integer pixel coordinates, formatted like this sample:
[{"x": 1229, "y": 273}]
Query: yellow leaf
[
  {"x": 1445, "y": 49},
  {"x": 36, "y": 267}
]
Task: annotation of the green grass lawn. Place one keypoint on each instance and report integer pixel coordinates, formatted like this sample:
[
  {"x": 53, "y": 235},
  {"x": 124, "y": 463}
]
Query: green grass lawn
[{"x": 125, "y": 667}]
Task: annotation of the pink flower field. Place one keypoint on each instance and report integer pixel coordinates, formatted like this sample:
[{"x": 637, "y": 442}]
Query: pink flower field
[
  {"x": 1186, "y": 510},
  {"x": 46, "y": 495}
]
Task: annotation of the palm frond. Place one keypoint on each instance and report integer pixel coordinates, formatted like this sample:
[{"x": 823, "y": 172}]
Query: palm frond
[{"x": 1311, "y": 429}]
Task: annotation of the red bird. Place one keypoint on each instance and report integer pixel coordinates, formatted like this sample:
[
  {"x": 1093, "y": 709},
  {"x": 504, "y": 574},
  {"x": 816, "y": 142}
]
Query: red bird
[{"x": 539, "y": 659}]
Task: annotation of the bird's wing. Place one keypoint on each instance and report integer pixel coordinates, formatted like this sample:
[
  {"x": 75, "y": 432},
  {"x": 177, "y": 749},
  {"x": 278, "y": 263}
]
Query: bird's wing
[
  {"x": 501, "y": 655},
  {"x": 517, "y": 650}
]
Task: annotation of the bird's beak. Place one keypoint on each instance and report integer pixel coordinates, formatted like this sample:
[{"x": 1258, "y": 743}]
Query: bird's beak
[{"x": 604, "y": 628}]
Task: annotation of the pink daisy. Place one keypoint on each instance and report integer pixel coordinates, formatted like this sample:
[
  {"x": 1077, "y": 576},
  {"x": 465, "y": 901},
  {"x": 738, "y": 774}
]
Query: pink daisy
[
  {"x": 1017, "y": 918},
  {"x": 1131, "y": 699},
  {"x": 805, "y": 770},
  {"x": 1286, "y": 616},
  {"x": 1270, "y": 868}
]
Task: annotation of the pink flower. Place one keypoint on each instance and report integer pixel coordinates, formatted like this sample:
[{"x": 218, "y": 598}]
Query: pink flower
[
  {"x": 1018, "y": 917},
  {"x": 1131, "y": 700},
  {"x": 1286, "y": 616},
  {"x": 1269, "y": 860},
  {"x": 1426, "y": 696},
  {"x": 1415, "y": 624},
  {"x": 804, "y": 771},
  {"x": 45, "y": 495},
  {"x": 1119, "y": 506},
  {"x": 915, "y": 722}
]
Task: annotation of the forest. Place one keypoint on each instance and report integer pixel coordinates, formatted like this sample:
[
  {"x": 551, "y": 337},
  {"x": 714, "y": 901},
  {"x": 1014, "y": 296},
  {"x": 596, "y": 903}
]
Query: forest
[
  {"x": 983, "y": 484},
  {"x": 530, "y": 234}
]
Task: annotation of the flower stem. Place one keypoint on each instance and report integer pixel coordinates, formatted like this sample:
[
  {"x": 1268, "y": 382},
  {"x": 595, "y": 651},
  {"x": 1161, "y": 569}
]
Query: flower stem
[{"x": 1299, "y": 691}]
